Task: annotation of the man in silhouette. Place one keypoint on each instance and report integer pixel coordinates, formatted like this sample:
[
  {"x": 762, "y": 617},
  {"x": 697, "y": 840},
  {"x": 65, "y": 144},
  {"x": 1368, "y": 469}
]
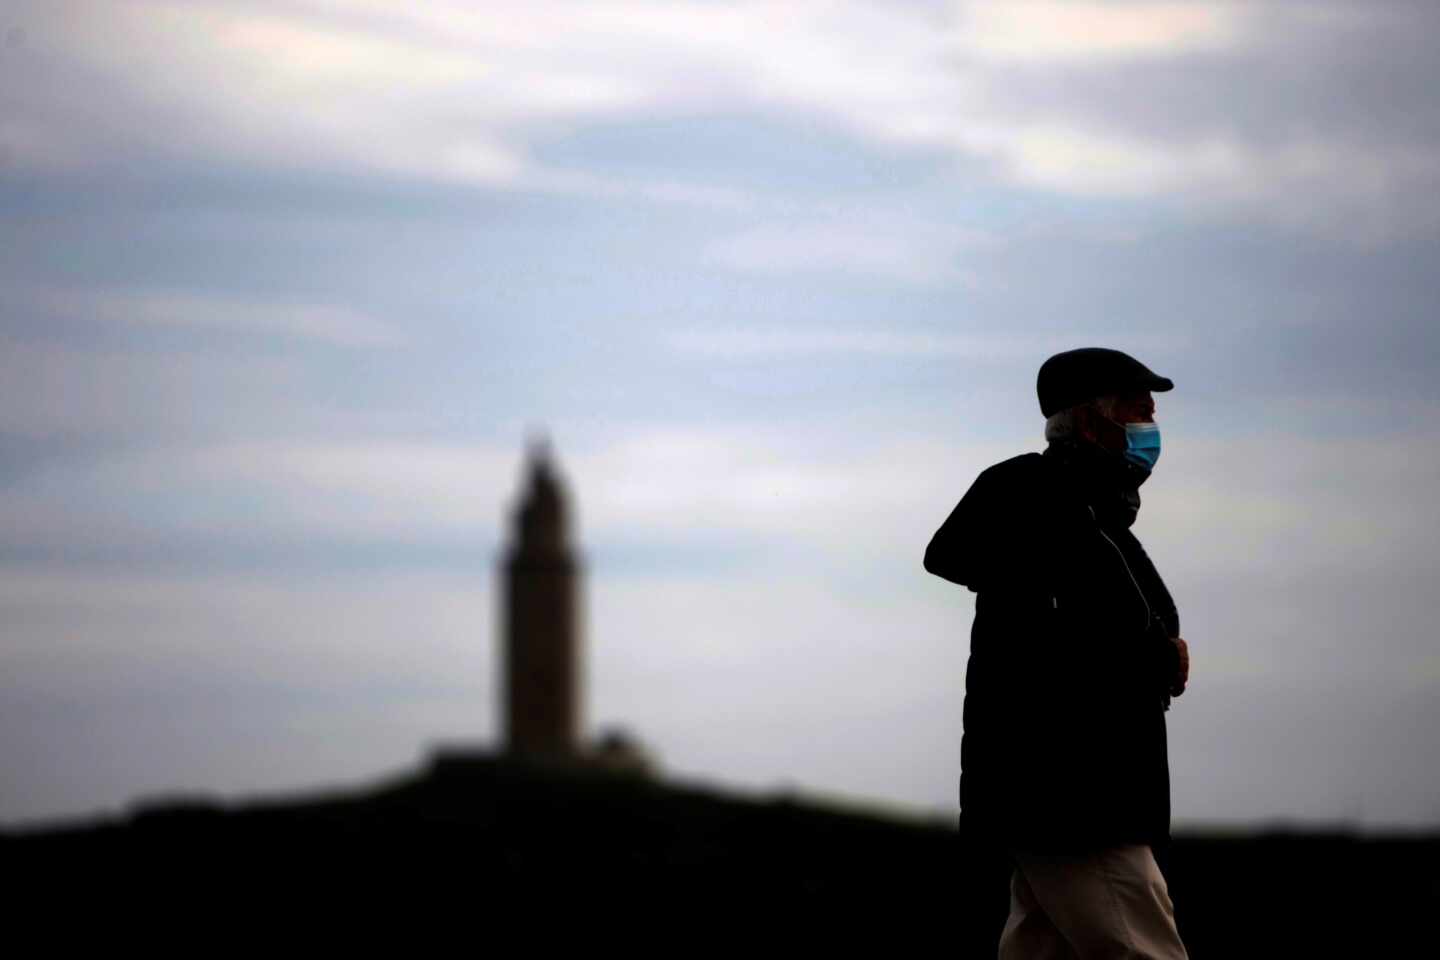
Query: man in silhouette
[{"x": 1075, "y": 653}]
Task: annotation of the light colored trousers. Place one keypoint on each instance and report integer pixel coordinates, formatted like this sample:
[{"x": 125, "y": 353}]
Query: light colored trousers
[{"x": 1096, "y": 906}]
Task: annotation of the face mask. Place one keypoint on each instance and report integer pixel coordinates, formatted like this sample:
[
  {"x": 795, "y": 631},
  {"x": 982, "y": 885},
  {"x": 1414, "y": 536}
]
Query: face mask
[{"x": 1142, "y": 444}]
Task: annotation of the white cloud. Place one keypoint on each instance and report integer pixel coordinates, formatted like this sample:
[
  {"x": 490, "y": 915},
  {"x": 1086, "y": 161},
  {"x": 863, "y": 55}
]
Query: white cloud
[
  {"x": 663, "y": 484},
  {"x": 319, "y": 322},
  {"x": 1076, "y": 159},
  {"x": 356, "y": 491},
  {"x": 765, "y": 486},
  {"x": 741, "y": 343},
  {"x": 257, "y": 629},
  {"x": 1051, "y": 30},
  {"x": 1252, "y": 560},
  {"x": 54, "y": 390},
  {"x": 915, "y": 253},
  {"x": 770, "y": 342},
  {"x": 1349, "y": 190}
]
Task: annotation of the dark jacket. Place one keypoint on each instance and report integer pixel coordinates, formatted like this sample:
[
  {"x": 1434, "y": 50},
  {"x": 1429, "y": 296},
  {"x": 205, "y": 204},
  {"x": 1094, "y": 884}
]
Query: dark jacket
[{"x": 1064, "y": 743}]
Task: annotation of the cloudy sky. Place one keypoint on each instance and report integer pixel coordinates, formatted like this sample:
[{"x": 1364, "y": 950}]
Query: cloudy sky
[{"x": 286, "y": 284}]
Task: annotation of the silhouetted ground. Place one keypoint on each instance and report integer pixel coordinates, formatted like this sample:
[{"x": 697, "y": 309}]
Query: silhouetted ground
[{"x": 474, "y": 839}]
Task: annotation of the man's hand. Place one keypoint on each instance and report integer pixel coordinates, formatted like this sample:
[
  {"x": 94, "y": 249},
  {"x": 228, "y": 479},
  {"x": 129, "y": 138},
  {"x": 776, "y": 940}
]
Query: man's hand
[{"x": 1182, "y": 669}]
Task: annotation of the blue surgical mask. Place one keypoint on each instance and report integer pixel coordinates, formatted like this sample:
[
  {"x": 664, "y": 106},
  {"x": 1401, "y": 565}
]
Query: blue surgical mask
[{"x": 1142, "y": 444}]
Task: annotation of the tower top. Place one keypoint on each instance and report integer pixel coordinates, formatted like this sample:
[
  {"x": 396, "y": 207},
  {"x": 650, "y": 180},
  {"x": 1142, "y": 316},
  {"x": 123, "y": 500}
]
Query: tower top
[
  {"x": 541, "y": 521},
  {"x": 538, "y": 445}
]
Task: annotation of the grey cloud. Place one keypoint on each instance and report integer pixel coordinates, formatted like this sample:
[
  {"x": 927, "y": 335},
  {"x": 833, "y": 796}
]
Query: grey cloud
[
  {"x": 1323, "y": 117},
  {"x": 118, "y": 685},
  {"x": 1365, "y": 78},
  {"x": 1333, "y": 104},
  {"x": 54, "y": 391},
  {"x": 1333, "y": 755},
  {"x": 67, "y": 760}
]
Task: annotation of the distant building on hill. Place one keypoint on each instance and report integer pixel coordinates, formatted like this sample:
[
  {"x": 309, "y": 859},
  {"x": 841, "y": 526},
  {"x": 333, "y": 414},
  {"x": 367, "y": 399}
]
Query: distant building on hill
[
  {"x": 542, "y": 642},
  {"x": 542, "y": 620}
]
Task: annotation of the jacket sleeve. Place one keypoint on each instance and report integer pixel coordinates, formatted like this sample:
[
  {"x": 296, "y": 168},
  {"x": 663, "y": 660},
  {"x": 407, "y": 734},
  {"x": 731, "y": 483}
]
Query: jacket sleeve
[
  {"x": 985, "y": 542},
  {"x": 943, "y": 557}
]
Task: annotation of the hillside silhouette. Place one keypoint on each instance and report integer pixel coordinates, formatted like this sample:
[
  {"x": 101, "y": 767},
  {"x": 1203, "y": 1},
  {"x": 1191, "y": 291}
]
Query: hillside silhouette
[{"x": 473, "y": 828}]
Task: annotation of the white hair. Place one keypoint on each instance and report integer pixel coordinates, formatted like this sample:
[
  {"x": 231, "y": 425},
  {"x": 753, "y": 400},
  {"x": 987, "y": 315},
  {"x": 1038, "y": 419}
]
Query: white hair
[{"x": 1064, "y": 423}]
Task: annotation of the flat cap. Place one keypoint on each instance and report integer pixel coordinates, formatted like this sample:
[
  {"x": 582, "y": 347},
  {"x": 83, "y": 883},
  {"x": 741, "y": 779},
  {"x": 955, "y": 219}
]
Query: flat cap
[{"x": 1079, "y": 376}]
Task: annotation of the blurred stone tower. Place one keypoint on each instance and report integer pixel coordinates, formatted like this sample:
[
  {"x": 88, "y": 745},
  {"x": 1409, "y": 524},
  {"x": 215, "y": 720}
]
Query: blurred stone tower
[{"x": 541, "y": 620}]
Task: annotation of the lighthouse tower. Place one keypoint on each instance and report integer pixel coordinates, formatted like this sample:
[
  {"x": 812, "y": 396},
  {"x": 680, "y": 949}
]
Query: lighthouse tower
[{"x": 541, "y": 620}]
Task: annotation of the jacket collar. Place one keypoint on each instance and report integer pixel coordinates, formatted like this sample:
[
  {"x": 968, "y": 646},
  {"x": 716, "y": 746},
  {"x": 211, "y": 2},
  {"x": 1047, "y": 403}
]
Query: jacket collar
[{"x": 1108, "y": 484}]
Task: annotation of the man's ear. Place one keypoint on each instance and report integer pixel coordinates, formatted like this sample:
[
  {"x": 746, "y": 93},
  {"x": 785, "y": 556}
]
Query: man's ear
[
  {"x": 1085, "y": 426},
  {"x": 1094, "y": 426}
]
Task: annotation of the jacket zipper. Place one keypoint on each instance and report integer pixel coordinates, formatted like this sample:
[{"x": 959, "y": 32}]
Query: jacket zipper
[{"x": 1123, "y": 562}]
